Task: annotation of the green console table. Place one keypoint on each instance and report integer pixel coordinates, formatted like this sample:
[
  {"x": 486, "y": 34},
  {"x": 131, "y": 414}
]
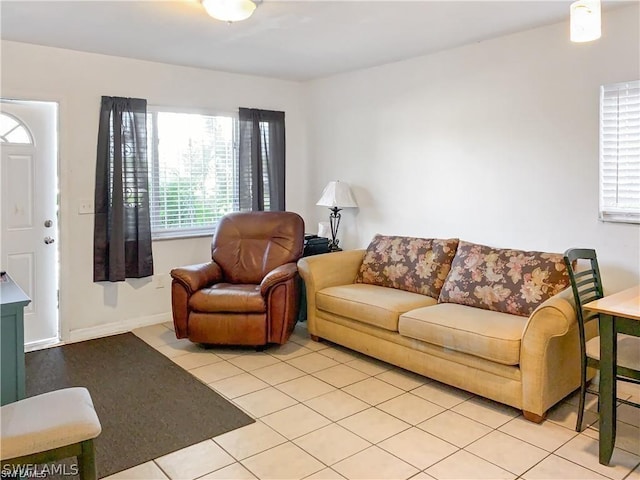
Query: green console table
[{"x": 12, "y": 303}]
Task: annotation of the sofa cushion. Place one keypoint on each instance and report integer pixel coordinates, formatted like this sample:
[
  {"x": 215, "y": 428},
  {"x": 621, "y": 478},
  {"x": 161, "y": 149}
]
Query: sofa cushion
[
  {"x": 508, "y": 281},
  {"x": 370, "y": 304},
  {"x": 491, "y": 335},
  {"x": 418, "y": 265}
]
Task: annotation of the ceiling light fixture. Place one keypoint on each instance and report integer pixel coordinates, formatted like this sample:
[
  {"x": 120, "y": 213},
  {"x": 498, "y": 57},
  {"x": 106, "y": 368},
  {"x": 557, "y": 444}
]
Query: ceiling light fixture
[
  {"x": 229, "y": 10},
  {"x": 585, "y": 20}
]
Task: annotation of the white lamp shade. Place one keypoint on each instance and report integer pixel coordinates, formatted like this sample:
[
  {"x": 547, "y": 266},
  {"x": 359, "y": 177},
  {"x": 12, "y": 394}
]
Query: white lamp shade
[
  {"x": 585, "y": 20},
  {"x": 229, "y": 10},
  {"x": 337, "y": 194}
]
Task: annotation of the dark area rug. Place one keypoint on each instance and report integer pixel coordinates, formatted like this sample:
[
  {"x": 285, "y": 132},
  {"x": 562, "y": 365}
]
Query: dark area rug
[{"x": 147, "y": 405}]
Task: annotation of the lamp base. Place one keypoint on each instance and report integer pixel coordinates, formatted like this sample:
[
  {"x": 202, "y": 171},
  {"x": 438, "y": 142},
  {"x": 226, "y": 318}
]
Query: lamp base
[{"x": 334, "y": 221}]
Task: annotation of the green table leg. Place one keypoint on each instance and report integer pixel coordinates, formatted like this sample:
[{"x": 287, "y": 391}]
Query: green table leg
[{"x": 607, "y": 396}]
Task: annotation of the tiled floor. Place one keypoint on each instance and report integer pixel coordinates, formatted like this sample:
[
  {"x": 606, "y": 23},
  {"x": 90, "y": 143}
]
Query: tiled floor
[{"x": 325, "y": 412}]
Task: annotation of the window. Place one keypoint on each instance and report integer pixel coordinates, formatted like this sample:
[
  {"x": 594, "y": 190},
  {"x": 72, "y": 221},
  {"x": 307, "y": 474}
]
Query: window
[
  {"x": 620, "y": 152},
  {"x": 193, "y": 174},
  {"x": 13, "y": 131}
]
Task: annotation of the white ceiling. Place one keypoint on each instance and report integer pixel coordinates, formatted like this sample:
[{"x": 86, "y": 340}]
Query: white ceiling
[{"x": 295, "y": 40}]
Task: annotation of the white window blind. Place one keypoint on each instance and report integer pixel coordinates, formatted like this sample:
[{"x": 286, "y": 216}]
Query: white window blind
[
  {"x": 193, "y": 172},
  {"x": 620, "y": 152}
]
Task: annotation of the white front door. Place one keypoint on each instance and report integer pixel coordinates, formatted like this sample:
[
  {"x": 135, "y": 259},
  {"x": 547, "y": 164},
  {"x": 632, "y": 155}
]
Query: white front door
[{"x": 29, "y": 210}]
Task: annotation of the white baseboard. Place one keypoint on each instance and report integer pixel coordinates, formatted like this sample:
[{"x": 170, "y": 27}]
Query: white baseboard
[{"x": 117, "y": 327}]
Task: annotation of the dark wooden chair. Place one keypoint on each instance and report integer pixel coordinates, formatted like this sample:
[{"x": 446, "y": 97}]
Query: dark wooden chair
[{"x": 587, "y": 287}]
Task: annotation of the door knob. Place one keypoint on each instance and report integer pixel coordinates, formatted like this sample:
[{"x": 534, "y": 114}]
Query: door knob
[
  {"x": 49, "y": 240},
  {"x": 48, "y": 223}
]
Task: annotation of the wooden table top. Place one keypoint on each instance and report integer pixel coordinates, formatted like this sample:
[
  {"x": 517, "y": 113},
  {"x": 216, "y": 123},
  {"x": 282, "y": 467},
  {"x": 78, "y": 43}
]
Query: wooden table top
[{"x": 622, "y": 304}]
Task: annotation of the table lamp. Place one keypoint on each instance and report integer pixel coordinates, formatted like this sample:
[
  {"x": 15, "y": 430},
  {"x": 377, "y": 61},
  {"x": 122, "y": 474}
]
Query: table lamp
[{"x": 336, "y": 195}]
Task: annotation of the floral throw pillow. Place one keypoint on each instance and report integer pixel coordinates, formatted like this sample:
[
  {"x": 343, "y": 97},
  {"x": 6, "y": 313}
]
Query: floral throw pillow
[
  {"x": 508, "y": 281},
  {"x": 418, "y": 265}
]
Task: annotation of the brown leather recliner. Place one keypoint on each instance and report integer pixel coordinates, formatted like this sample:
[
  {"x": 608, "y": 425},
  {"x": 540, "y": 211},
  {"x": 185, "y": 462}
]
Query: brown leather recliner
[{"x": 249, "y": 293}]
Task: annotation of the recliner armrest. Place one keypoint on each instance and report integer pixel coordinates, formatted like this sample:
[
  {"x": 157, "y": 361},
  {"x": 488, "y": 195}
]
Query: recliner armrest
[
  {"x": 195, "y": 277},
  {"x": 278, "y": 275}
]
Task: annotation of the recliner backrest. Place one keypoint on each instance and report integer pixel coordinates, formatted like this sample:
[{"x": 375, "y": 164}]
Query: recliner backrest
[{"x": 248, "y": 245}]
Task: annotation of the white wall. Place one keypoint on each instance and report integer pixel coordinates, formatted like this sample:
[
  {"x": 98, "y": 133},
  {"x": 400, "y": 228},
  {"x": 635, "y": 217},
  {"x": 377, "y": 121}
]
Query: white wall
[
  {"x": 495, "y": 142},
  {"x": 77, "y": 81}
]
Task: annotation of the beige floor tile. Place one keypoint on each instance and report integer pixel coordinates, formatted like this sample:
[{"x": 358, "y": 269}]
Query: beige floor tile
[
  {"x": 331, "y": 444},
  {"x": 627, "y": 436},
  {"x": 305, "y": 388},
  {"x": 286, "y": 461},
  {"x": 507, "y": 452},
  {"x": 370, "y": 366},
  {"x": 590, "y": 402},
  {"x": 629, "y": 414},
  {"x": 442, "y": 394},
  {"x": 253, "y": 361},
  {"x": 155, "y": 335},
  {"x": 196, "y": 359},
  {"x": 312, "y": 362},
  {"x": 464, "y": 465},
  {"x": 215, "y": 371},
  {"x": 288, "y": 351},
  {"x": 295, "y": 421},
  {"x": 373, "y": 391},
  {"x": 485, "y": 411},
  {"x": 422, "y": 476},
  {"x": 194, "y": 461},
  {"x": 418, "y": 448},
  {"x": 145, "y": 471},
  {"x": 374, "y": 463},
  {"x": 336, "y": 405},
  {"x": 635, "y": 475},
  {"x": 546, "y": 435},
  {"x": 169, "y": 325},
  {"x": 175, "y": 349},
  {"x": 454, "y": 428},
  {"x": 340, "y": 354},
  {"x": 557, "y": 467},
  {"x": 227, "y": 352},
  {"x": 238, "y": 385},
  {"x": 374, "y": 425},
  {"x": 566, "y": 415},
  {"x": 263, "y": 402},
  {"x": 235, "y": 471},
  {"x": 340, "y": 376},
  {"x": 583, "y": 450},
  {"x": 325, "y": 474},
  {"x": 403, "y": 379},
  {"x": 250, "y": 440},
  {"x": 277, "y": 373},
  {"x": 626, "y": 390},
  {"x": 312, "y": 345},
  {"x": 410, "y": 408}
]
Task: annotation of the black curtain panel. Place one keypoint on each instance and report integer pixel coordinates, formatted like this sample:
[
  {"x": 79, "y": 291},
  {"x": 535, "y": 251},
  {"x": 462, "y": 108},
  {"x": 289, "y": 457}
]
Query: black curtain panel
[
  {"x": 261, "y": 163},
  {"x": 122, "y": 230}
]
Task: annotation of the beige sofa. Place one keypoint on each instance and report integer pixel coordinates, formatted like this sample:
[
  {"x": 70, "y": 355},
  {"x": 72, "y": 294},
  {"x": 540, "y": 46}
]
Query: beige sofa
[{"x": 528, "y": 361}]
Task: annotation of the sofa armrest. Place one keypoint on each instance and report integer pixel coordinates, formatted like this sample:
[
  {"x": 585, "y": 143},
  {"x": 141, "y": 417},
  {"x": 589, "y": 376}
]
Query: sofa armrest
[
  {"x": 550, "y": 354},
  {"x": 327, "y": 270},
  {"x": 195, "y": 277},
  {"x": 278, "y": 275}
]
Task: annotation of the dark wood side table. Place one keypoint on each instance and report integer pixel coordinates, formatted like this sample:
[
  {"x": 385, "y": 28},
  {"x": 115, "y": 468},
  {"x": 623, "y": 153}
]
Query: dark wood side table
[
  {"x": 313, "y": 245},
  {"x": 619, "y": 313},
  {"x": 12, "y": 303}
]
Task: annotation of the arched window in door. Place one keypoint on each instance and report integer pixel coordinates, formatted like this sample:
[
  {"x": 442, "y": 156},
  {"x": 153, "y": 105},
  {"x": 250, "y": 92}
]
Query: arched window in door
[{"x": 13, "y": 130}]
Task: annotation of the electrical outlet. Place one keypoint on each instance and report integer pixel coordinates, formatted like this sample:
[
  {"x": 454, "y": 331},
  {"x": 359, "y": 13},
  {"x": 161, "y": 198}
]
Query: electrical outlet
[
  {"x": 160, "y": 281},
  {"x": 85, "y": 206}
]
